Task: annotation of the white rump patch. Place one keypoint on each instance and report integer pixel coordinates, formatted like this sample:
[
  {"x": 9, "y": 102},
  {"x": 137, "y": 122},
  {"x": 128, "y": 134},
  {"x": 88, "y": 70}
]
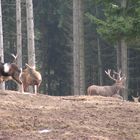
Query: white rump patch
[{"x": 6, "y": 67}]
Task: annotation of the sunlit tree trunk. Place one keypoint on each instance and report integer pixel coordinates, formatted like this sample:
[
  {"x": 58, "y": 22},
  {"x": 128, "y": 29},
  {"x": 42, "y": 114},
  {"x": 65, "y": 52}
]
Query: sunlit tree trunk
[
  {"x": 2, "y": 85},
  {"x": 19, "y": 34},
  {"x": 30, "y": 35},
  {"x": 124, "y": 65},
  {"x": 78, "y": 49}
]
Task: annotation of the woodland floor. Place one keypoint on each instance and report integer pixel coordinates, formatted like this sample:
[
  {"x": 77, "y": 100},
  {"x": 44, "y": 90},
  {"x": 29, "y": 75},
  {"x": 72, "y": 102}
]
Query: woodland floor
[{"x": 42, "y": 117}]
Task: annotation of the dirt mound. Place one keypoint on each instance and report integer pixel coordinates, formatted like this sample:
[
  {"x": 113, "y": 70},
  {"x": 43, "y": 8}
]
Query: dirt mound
[{"x": 42, "y": 117}]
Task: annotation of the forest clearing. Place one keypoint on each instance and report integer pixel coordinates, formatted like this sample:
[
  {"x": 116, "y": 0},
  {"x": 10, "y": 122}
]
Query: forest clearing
[
  {"x": 43, "y": 117},
  {"x": 67, "y": 49}
]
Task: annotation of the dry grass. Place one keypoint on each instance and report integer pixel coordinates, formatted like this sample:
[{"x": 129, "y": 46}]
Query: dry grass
[{"x": 41, "y": 117}]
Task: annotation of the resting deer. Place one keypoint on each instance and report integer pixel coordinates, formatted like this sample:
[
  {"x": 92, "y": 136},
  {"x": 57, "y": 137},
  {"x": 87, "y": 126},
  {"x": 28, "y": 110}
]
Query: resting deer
[{"x": 108, "y": 90}]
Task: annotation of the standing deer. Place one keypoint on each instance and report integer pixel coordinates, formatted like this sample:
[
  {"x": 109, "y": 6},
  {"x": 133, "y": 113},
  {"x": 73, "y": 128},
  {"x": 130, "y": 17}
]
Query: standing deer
[
  {"x": 31, "y": 77},
  {"x": 108, "y": 90},
  {"x": 10, "y": 71}
]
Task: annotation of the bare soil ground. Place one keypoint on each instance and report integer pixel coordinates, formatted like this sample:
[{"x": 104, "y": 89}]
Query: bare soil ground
[{"x": 42, "y": 117}]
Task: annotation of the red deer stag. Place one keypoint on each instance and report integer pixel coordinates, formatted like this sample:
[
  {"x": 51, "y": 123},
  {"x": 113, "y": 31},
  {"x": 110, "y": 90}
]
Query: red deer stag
[
  {"x": 10, "y": 71},
  {"x": 31, "y": 77},
  {"x": 108, "y": 90}
]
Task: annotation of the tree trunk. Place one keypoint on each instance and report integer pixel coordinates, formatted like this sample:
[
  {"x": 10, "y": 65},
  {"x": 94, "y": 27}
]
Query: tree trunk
[
  {"x": 19, "y": 34},
  {"x": 81, "y": 47},
  {"x": 30, "y": 33},
  {"x": 124, "y": 65},
  {"x": 118, "y": 49},
  {"x": 78, "y": 49},
  {"x": 2, "y": 85},
  {"x": 100, "y": 71},
  {"x": 99, "y": 63}
]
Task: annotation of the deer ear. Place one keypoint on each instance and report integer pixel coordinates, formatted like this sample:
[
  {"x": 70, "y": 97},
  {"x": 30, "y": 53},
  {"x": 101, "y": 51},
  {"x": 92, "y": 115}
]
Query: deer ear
[{"x": 28, "y": 66}]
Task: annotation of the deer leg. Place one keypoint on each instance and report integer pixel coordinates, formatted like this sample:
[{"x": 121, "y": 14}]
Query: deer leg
[
  {"x": 117, "y": 96},
  {"x": 25, "y": 88},
  {"x": 36, "y": 89},
  {"x": 1, "y": 80},
  {"x": 21, "y": 89}
]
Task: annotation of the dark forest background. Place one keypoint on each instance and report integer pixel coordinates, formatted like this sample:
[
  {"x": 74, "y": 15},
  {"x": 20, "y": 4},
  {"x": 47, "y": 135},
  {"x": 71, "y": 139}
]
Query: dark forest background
[{"x": 54, "y": 41}]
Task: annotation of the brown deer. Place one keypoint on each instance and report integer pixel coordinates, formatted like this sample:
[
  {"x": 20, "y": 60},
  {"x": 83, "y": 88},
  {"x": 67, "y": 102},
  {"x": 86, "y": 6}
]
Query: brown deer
[
  {"x": 108, "y": 90},
  {"x": 10, "y": 71},
  {"x": 31, "y": 77}
]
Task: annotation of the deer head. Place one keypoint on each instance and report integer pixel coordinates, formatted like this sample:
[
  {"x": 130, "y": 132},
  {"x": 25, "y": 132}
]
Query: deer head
[{"x": 117, "y": 77}]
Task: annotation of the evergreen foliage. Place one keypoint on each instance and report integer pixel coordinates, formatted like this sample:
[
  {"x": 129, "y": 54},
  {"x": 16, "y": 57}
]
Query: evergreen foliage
[{"x": 118, "y": 22}]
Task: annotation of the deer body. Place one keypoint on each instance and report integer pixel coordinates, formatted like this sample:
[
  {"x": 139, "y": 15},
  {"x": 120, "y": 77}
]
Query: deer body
[
  {"x": 103, "y": 90},
  {"x": 31, "y": 77},
  {"x": 108, "y": 90},
  {"x": 10, "y": 71},
  {"x": 28, "y": 77}
]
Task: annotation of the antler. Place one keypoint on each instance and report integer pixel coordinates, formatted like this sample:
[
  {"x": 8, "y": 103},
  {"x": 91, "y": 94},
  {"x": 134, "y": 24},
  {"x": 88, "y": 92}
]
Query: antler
[
  {"x": 119, "y": 77},
  {"x": 109, "y": 74},
  {"x": 118, "y": 74},
  {"x": 15, "y": 57}
]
